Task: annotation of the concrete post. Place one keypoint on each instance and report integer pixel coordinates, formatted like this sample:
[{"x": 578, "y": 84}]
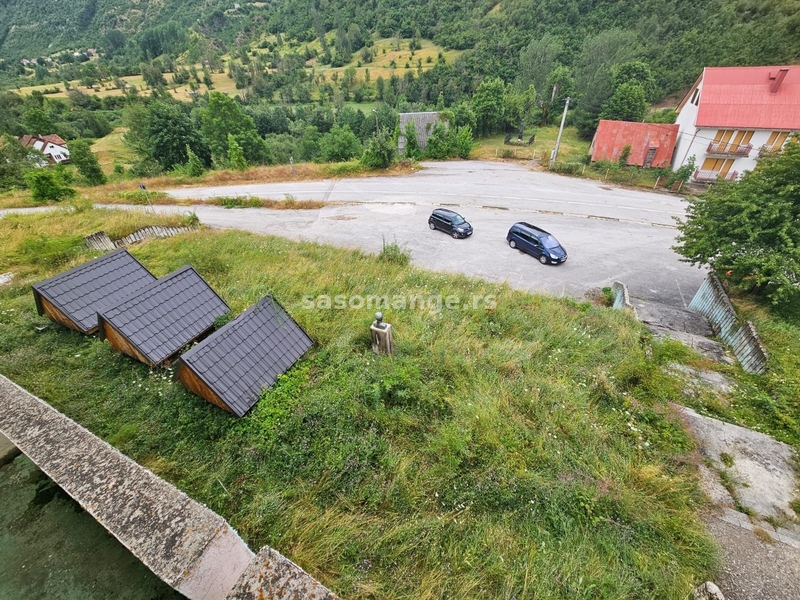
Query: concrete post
[{"x": 381, "y": 334}]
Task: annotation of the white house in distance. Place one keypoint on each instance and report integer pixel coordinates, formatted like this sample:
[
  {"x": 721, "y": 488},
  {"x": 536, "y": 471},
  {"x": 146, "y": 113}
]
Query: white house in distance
[
  {"x": 733, "y": 114},
  {"x": 53, "y": 146}
]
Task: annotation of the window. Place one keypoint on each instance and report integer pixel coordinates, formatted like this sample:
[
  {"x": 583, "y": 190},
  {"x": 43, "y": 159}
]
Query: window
[
  {"x": 696, "y": 97},
  {"x": 776, "y": 140}
]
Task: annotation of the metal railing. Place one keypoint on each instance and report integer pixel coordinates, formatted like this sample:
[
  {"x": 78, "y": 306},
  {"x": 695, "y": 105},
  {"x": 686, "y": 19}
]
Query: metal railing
[
  {"x": 714, "y": 175},
  {"x": 726, "y": 149}
]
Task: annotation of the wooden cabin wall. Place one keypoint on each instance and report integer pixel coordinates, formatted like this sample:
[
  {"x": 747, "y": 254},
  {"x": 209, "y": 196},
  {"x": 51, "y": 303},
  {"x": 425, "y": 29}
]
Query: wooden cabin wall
[
  {"x": 54, "y": 314},
  {"x": 117, "y": 341},
  {"x": 197, "y": 386}
]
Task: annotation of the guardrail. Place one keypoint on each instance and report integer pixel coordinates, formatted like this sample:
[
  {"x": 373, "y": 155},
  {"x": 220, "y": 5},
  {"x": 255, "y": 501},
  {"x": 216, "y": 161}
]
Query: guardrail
[{"x": 712, "y": 301}]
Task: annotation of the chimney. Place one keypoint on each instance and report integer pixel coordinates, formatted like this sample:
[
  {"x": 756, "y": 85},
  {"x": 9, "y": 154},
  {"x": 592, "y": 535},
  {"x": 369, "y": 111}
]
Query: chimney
[{"x": 777, "y": 80}]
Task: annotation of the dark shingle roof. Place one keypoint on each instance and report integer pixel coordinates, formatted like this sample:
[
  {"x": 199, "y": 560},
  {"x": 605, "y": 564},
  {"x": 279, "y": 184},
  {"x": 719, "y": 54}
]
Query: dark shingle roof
[
  {"x": 248, "y": 354},
  {"x": 80, "y": 292},
  {"x": 160, "y": 319}
]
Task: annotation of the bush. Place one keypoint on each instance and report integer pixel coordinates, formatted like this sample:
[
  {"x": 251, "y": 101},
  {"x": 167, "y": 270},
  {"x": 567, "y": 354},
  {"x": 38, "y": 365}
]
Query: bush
[
  {"x": 339, "y": 145},
  {"x": 380, "y": 152},
  {"x": 49, "y": 184}
]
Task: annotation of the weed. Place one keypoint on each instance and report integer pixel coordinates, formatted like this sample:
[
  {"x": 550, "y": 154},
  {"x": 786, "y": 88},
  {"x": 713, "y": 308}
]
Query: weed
[
  {"x": 726, "y": 459},
  {"x": 763, "y": 535},
  {"x": 395, "y": 254}
]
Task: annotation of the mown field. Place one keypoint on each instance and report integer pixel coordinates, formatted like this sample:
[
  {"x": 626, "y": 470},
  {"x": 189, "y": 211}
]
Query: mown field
[{"x": 517, "y": 450}]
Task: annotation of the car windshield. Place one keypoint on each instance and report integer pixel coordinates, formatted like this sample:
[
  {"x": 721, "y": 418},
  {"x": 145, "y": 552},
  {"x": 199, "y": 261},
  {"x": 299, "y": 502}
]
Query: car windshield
[
  {"x": 458, "y": 220},
  {"x": 549, "y": 241}
]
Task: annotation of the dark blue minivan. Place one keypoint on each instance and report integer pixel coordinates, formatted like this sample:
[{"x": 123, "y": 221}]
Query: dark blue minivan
[{"x": 536, "y": 242}]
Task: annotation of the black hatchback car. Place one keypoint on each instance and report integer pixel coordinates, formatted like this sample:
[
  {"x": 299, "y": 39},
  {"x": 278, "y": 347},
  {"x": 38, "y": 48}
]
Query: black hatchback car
[
  {"x": 450, "y": 222},
  {"x": 536, "y": 242}
]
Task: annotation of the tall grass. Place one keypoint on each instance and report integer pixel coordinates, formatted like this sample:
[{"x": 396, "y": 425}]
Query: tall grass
[{"x": 517, "y": 450}]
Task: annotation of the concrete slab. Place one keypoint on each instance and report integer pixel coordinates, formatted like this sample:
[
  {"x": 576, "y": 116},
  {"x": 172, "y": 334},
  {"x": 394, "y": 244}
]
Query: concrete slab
[
  {"x": 168, "y": 531},
  {"x": 271, "y": 575},
  {"x": 8, "y": 451},
  {"x": 763, "y": 468}
]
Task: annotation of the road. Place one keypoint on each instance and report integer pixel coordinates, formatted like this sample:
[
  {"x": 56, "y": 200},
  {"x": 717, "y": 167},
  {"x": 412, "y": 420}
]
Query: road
[{"x": 611, "y": 234}]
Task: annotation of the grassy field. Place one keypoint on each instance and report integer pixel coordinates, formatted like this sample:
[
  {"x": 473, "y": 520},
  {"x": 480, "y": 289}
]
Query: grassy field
[
  {"x": 221, "y": 83},
  {"x": 112, "y": 149},
  {"x": 518, "y": 446},
  {"x": 572, "y": 147}
]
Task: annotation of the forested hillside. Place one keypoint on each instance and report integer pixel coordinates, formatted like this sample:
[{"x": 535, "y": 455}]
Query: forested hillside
[{"x": 676, "y": 37}]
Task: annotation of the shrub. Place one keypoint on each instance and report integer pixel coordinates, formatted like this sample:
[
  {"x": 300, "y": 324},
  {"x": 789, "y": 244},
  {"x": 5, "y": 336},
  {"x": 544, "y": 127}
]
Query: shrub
[
  {"x": 339, "y": 144},
  {"x": 624, "y": 155},
  {"x": 380, "y": 152},
  {"x": 49, "y": 184},
  {"x": 194, "y": 166}
]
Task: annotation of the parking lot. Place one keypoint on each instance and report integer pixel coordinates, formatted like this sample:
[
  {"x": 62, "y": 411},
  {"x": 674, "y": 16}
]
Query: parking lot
[{"x": 611, "y": 234}]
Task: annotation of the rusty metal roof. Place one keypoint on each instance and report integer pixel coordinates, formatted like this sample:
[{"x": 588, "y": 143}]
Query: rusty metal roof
[
  {"x": 80, "y": 292},
  {"x": 160, "y": 319},
  {"x": 613, "y": 136},
  {"x": 248, "y": 354}
]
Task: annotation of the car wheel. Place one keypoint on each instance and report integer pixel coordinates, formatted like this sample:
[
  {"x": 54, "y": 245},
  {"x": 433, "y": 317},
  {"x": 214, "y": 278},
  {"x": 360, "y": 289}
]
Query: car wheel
[
  {"x": 431, "y": 225},
  {"x": 543, "y": 259},
  {"x": 455, "y": 235},
  {"x": 512, "y": 243}
]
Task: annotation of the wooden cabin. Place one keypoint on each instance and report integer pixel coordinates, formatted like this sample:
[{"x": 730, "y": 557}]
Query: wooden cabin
[
  {"x": 156, "y": 322},
  {"x": 233, "y": 365},
  {"x": 73, "y": 297}
]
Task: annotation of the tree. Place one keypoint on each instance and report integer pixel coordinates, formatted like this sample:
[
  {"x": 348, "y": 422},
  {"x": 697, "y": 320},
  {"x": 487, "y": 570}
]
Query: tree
[
  {"x": 37, "y": 122},
  {"x": 162, "y": 132},
  {"x": 380, "y": 151},
  {"x": 487, "y": 104},
  {"x": 223, "y": 116},
  {"x": 236, "y": 160},
  {"x": 629, "y": 103},
  {"x": 194, "y": 166},
  {"x": 15, "y": 161},
  {"x": 339, "y": 144},
  {"x": 593, "y": 74},
  {"x": 537, "y": 61},
  {"x": 412, "y": 149},
  {"x": 636, "y": 72},
  {"x": 80, "y": 154},
  {"x": 749, "y": 231},
  {"x": 518, "y": 105}
]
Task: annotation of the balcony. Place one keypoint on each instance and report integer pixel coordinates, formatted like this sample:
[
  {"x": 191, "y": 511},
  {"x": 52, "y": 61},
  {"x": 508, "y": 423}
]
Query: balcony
[
  {"x": 723, "y": 149},
  {"x": 712, "y": 176}
]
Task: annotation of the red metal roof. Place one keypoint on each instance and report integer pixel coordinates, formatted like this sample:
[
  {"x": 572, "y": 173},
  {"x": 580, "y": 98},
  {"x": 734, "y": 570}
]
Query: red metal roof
[
  {"x": 613, "y": 136},
  {"x": 740, "y": 98}
]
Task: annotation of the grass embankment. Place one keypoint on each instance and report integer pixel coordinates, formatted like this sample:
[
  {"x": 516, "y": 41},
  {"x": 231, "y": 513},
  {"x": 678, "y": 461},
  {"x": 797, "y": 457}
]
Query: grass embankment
[{"x": 520, "y": 451}]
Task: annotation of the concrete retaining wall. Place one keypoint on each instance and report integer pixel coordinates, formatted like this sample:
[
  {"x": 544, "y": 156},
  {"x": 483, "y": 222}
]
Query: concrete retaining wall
[
  {"x": 100, "y": 240},
  {"x": 184, "y": 543},
  {"x": 712, "y": 301},
  {"x": 622, "y": 299}
]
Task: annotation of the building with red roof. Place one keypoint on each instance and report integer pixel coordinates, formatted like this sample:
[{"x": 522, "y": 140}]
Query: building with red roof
[
  {"x": 651, "y": 144},
  {"x": 52, "y": 146},
  {"x": 731, "y": 115}
]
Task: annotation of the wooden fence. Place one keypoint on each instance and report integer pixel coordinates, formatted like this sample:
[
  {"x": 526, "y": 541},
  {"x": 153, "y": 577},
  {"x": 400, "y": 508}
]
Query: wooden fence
[{"x": 712, "y": 301}]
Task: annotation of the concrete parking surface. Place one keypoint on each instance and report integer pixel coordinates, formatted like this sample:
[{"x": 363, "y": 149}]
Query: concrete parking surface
[{"x": 611, "y": 234}]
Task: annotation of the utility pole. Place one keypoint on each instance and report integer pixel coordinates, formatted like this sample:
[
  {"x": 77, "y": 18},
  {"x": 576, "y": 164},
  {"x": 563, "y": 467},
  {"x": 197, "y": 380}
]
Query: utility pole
[
  {"x": 376, "y": 121},
  {"x": 560, "y": 131}
]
